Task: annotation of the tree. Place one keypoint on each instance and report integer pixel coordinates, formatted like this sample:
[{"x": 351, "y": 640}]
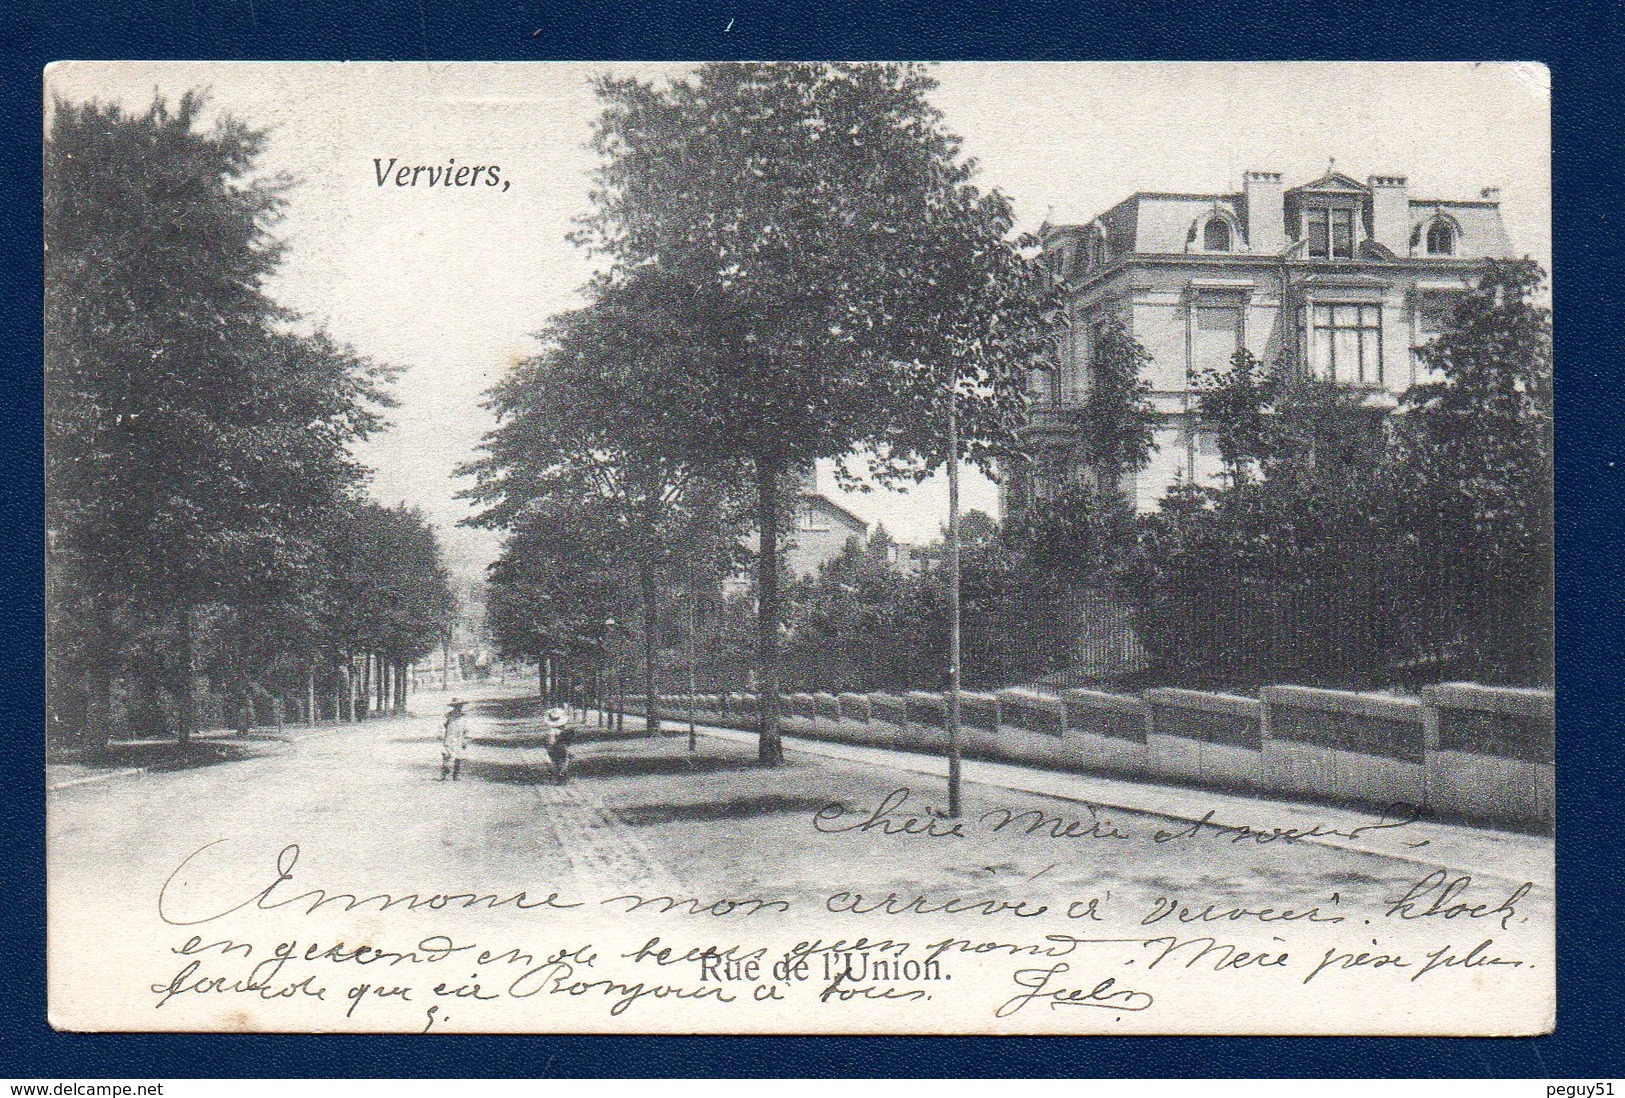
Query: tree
[
  {"x": 849, "y": 627},
  {"x": 585, "y": 437},
  {"x": 1476, "y": 478},
  {"x": 391, "y": 593},
  {"x": 555, "y": 583},
  {"x": 1081, "y": 535},
  {"x": 1116, "y": 423},
  {"x": 822, "y": 223},
  {"x": 195, "y": 441},
  {"x": 1280, "y": 574},
  {"x": 1354, "y": 547},
  {"x": 1236, "y": 405}
]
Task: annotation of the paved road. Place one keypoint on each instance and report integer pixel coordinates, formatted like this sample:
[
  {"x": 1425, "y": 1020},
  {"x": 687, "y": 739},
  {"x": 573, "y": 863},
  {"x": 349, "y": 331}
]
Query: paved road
[
  {"x": 375, "y": 784},
  {"x": 645, "y": 818}
]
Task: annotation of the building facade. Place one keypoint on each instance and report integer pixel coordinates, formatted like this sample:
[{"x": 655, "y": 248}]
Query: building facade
[
  {"x": 1341, "y": 278},
  {"x": 822, "y": 530}
]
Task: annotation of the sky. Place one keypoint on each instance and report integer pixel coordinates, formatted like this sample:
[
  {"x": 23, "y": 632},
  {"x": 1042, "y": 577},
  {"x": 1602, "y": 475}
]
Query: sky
[{"x": 449, "y": 284}]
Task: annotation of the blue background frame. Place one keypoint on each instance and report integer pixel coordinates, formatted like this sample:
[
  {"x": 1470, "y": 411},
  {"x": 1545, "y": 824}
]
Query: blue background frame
[{"x": 1577, "y": 40}]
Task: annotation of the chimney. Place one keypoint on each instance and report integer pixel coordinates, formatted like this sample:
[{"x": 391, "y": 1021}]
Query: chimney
[
  {"x": 1390, "y": 213},
  {"x": 1490, "y": 194},
  {"x": 1264, "y": 199}
]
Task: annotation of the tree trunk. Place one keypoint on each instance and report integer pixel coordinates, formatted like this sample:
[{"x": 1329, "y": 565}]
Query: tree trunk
[
  {"x": 244, "y": 718},
  {"x": 769, "y": 748},
  {"x": 188, "y": 687},
  {"x": 310, "y": 698},
  {"x": 401, "y": 674},
  {"x": 651, "y": 702}
]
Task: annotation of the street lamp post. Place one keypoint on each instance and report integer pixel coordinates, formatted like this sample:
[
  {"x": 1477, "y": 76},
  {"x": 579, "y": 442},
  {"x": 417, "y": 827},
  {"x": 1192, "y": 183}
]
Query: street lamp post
[
  {"x": 953, "y": 597},
  {"x": 618, "y": 721}
]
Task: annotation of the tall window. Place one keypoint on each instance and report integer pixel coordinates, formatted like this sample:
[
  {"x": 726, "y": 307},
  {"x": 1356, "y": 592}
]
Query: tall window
[
  {"x": 1433, "y": 315},
  {"x": 1073, "y": 382},
  {"x": 1216, "y": 235},
  {"x": 1347, "y": 343},
  {"x": 1330, "y": 232},
  {"x": 1217, "y": 335},
  {"x": 1441, "y": 238}
]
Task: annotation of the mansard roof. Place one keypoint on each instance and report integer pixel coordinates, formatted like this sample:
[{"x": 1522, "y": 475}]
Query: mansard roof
[{"x": 1161, "y": 223}]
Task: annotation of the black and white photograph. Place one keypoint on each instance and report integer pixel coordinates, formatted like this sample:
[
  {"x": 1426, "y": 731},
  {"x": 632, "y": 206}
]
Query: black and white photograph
[{"x": 799, "y": 547}]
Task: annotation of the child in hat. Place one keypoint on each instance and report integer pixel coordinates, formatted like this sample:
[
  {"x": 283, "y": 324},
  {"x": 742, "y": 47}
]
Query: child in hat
[
  {"x": 453, "y": 740},
  {"x": 559, "y": 734}
]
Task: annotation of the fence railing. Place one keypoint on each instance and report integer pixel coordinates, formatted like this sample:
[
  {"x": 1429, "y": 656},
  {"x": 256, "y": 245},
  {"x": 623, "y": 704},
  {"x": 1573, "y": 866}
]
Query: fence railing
[{"x": 1461, "y": 750}]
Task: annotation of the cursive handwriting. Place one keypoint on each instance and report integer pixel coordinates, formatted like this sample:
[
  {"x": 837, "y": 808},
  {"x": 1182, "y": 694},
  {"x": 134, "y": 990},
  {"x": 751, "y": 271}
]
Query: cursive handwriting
[
  {"x": 1034, "y": 822},
  {"x": 1477, "y": 957},
  {"x": 694, "y": 906},
  {"x": 886, "y": 819},
  {"x": 268, "y": 898},
  {"x": 261, "y": 981},
  {"x": 855, "y": 903},
  {"x": 1165, "y": 907},
  {"x": 1105, "y": 994},
  {"x": 1443, "y": 895},
  {"x": 1397, "y": 815},
  {"x": 558, "y": 978}
]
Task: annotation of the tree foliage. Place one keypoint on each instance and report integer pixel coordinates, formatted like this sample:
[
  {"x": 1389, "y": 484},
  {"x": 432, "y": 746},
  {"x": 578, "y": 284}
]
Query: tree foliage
[
  {"x": 1116, "y": 422},
  {"x": 391, "y": 594},
  {"x": 1354, "y": 547},
  {"x": 821, "y": 220},
  {"x": 861, "y": 624},
  {"x": 198, "y": 435},
  {"x": 1475, "y": 472},
  {"x": 592, "y": 455},
  {"x": 1235, "y": 404}
]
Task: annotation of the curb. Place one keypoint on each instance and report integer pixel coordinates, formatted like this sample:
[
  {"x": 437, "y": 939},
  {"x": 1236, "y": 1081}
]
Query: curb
[
  {"x": 129, "y": 771},
  {"x": 92, "y": 779}
]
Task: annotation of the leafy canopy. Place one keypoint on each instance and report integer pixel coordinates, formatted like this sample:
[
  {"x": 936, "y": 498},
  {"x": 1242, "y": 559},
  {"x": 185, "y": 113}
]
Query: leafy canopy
[{"x": 823, "y": 226}]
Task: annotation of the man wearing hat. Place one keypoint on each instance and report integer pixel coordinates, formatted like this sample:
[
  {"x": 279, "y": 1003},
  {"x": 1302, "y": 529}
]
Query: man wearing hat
[
  {"x": 559, "y": 735},
  {"x": 453, "y": 740}
]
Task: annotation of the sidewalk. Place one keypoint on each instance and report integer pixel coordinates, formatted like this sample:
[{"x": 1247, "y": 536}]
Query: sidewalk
[
  {"x": 226, "y": 744},
  {"x": 261, "y": 741},
  {"x": 1506, "y": 854}
]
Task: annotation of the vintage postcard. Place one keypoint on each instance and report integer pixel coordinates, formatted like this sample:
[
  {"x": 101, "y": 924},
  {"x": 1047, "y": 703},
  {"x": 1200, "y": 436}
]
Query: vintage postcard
[{"x": 799, "y": 548}]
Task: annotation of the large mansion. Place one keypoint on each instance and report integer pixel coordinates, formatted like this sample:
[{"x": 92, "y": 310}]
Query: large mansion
[{"x": 1342, "y": 277}]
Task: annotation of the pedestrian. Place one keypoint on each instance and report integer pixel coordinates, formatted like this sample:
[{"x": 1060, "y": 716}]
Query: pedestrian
[
  {"x": 453, "y": 740},
  {"x": 558, "y": 737}
]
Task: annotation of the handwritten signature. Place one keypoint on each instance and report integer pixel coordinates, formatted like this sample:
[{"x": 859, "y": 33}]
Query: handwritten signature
[{"x": 1105, "y": 994}]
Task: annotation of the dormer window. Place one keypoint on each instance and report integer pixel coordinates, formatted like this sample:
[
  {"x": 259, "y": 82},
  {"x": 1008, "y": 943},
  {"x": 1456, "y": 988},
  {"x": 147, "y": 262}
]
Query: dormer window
[
  {"x": 1441, "y": 238},
  {"x": 1216, "y": 235},
  {"x": 1330, "y": 231}
]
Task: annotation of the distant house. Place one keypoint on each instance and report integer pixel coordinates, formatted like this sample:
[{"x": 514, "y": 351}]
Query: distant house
[
  {"x": 908, "y": 559},
  {"x": 823, "y": 528},
  {"x": 818, "y": 531}
]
